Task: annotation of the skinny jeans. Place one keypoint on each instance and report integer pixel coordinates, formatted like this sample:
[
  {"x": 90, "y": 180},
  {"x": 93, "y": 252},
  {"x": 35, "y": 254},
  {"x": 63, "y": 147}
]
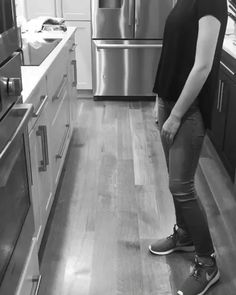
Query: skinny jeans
[{"x": 182, "y": 158}]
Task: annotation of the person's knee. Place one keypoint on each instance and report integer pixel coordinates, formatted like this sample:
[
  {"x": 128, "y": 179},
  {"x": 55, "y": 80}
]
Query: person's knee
[{"x": 182, "y": 191}]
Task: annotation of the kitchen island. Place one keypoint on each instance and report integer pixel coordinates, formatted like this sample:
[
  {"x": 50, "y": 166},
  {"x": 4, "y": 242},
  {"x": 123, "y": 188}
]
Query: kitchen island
[{"x": 51, "y": 88}]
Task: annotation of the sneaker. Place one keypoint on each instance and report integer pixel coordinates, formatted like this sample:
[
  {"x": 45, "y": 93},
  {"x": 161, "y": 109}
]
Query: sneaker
[
  {"x": 202, "y": 277},
  {"x": 178, "y": 241}
]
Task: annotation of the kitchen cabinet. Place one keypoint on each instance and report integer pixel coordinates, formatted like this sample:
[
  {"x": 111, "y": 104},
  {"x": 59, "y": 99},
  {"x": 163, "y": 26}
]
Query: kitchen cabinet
[
  {"x": 83, "y": 53},
  {"x": 30, "y": 278},
  {"x": 59, "y": 112},
  {"x": 40, "y": 162},
  {"x": 50, "y": 130},
  {"x": 39, "y": 8},
  {"x": 222, "y": 132},
  {"x": 76, "y": 9},
  {"x": 72, "y": 79}
]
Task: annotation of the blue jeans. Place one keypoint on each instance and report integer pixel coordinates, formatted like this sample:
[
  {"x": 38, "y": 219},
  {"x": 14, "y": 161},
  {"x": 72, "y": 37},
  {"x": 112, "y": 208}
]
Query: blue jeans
[{"x": 182, "y": 158}]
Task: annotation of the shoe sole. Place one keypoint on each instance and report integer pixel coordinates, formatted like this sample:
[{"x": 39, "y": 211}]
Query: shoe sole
[
  {"x": 211, "y": 283},
  {"x": 181, "y": 249}
]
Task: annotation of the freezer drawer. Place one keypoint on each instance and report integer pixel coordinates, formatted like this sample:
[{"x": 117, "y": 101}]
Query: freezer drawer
[{"x": 125, "y": 68}]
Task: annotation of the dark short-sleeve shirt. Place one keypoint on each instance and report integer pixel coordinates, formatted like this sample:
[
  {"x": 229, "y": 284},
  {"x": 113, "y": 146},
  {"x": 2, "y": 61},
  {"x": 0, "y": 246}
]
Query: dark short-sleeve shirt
[{"x": 179, "y": 48}]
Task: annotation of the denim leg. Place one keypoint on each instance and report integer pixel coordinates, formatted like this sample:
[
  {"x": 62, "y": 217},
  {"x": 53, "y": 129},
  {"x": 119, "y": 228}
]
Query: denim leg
[
  {"x": 183, "y": 160},
  {"x": 164, "y": 110}
]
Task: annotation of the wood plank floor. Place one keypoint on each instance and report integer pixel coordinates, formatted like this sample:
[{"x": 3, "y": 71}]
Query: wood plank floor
[{"x": 113, "y": 200}]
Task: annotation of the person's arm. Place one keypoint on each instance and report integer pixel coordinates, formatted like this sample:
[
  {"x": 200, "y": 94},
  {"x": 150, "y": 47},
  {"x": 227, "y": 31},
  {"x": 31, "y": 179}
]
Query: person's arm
[{"x": 208, "y": 32}]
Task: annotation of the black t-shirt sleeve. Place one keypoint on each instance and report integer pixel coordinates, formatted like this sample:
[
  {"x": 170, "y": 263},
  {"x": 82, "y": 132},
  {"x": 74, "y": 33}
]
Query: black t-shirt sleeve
[{"x": 210, "y": 7}]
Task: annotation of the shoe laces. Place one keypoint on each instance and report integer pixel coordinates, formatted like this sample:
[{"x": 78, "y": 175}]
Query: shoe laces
[
  {"x": 175, "y": 233},
  {"x": 197, "y": 269}
]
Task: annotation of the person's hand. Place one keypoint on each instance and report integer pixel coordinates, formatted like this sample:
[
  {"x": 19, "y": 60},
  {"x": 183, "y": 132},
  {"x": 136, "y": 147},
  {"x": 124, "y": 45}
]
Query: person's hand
[{"x": 170, "y": 128}]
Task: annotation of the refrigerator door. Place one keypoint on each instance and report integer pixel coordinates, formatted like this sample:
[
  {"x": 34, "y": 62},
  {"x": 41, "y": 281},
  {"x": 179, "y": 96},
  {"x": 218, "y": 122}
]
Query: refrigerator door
[
  {"x": 112, "y": 19},
  {"x": 150, "y": 17},
  {"x": 125, "y": 68}
]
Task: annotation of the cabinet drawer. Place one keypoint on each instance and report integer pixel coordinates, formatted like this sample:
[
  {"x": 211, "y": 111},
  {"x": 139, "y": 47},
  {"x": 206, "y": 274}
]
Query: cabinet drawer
[
  {"x": 30, "y": 278},
  {"x": 57, "y": 97},
  {"x": 57, "y": 77},
  {"x": 38, "y": 98},
  {"x": 60, "y": 133}
]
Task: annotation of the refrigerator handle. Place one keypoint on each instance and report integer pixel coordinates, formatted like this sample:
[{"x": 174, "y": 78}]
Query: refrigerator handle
[
  {"x": 126, "y": 46},
  {"x": 130, "y": 12},
  {"x": 137, "y": 11}
]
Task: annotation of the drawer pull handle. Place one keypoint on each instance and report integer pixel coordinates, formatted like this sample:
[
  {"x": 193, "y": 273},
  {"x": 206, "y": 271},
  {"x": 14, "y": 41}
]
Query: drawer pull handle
[
  {"x": 43, "y": 100},
  {"x": 221, "y": 97},
  {"x": 228, "y": 69},
  {"x": 72, "y": 47},
  {"x": 42, "y": 132},
  {"x": 61, "y": 88},
  {"x": 218, "y": 96},
  {"x": 37, "y": 280},
  {"x": 73, "y": 63},
  {"x": 59, "y": 155}
]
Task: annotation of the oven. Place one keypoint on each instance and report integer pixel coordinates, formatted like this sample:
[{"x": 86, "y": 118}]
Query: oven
[
  {"x": 9, "y": 41},
  {"x": 16, "y": 214}
]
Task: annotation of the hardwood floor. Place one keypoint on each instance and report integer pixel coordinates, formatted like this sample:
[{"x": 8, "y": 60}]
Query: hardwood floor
[{"x": 113, "y": 200}]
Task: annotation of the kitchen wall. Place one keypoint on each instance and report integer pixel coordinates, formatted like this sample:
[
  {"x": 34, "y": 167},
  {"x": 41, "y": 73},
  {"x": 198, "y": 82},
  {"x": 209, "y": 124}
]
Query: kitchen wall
[{"x": 20, "y": 12}]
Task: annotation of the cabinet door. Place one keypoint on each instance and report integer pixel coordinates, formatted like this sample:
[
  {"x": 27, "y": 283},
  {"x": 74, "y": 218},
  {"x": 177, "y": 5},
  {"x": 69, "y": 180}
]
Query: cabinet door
[
  {"x": 60, "y": 133},
  {"x": 72, "y": 79},
  {"x": 219, "y": 112},
  {"x": 30, "y": 278},
  {"x": 83, "y": 54},
  {"x": 40, "y": 8},
  {"x": 76, "y": 9},
  {"x": 230, "y": 138},
  {"x": 41, "y": 172}
]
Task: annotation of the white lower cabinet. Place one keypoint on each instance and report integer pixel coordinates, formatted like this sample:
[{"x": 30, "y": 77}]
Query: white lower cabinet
[
  {"x": 83, "y": 53},
  {"x": 30, "y": 278},
  {"x": 72, "y": 80},
  {"x": 59, "y": 112},
  {"x": 41, "y": 164},
  {"x": 50, "y": 131}
]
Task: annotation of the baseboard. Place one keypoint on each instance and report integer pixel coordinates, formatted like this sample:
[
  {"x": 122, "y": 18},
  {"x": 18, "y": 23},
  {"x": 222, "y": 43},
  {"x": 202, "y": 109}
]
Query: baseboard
[{"x": 85, "y": 93}]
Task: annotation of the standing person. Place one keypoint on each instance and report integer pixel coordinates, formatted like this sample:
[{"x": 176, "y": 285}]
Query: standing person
[{"x": 185, "y": 83}]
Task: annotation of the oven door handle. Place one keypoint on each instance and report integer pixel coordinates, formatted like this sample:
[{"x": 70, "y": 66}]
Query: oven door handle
[{"x": 21, "y": 127}]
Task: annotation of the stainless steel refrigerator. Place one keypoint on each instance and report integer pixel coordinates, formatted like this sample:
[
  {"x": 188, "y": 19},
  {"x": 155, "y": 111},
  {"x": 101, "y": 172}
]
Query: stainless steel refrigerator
[{"x": 126, "y": 45}]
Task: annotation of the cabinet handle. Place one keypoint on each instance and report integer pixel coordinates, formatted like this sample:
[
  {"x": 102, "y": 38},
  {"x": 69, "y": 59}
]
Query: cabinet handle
[
  {"x": 130, "y": 12},
  {"x": 59, "y": 155},
  {"x": 218, "y": 96},
  {"x": 221, "y": 97},
  {"x": 42, "y": 132},
  {"x": 228, "y": 69},
  {"x": 43, "y": 100},
  {"x": 61, "y": 87},
  {"x": 72, "y": 49},
  {"x": 37, "y": 281},
  {"x": 73, "y": 63}
]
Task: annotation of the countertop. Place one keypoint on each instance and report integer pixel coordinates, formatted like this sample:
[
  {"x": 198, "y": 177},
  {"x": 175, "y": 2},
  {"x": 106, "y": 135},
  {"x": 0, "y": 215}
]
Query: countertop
[
  {"x": 31, "y": 75},
  {"x": 229, "y": 44}
]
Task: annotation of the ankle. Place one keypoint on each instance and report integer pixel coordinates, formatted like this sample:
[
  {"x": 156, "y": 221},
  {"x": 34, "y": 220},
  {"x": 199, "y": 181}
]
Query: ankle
[{"x": 206, "y": 260}]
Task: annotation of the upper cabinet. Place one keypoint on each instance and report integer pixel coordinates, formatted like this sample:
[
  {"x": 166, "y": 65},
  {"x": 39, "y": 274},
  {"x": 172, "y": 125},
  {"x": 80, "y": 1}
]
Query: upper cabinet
[
  {"x": 40, "y": 8},
  {"x": 75, "y": 9}
]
